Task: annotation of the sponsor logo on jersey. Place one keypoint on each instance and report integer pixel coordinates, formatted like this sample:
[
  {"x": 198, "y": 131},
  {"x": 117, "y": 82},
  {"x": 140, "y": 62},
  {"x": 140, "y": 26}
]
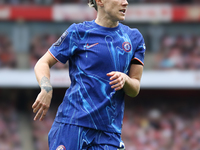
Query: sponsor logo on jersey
[
  {"x": 89, "y": 46},
  {"x": 126, "y": 46},
  {"x": 61, "y": 39},
  {"x": 61, "y": 147},
  {"x": 121, "y": 146},
  {"x": 142, "y": 46}
]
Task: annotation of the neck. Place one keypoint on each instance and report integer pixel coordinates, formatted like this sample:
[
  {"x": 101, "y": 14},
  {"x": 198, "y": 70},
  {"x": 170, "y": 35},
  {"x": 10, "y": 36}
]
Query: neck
[{"x": 103, "y": 21}]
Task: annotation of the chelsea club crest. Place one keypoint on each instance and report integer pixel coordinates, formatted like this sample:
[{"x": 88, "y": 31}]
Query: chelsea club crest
[
  {"x": 126, "y": 46},
  {"x": 61, "y": 147}
]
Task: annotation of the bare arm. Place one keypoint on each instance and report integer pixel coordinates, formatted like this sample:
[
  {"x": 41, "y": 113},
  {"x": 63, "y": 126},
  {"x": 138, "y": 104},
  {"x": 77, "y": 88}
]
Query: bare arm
[
  {"x": 130, "y": 83},
  {"x": 42, "y": 67},
  {"x": 42, "y": 72}
]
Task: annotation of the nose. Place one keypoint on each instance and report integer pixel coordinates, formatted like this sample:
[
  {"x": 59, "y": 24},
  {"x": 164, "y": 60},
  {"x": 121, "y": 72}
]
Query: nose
[{"x": 125, "y": 2}]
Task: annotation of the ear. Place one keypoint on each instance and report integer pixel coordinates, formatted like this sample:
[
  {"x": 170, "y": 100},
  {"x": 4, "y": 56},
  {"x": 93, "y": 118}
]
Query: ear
[{"x": 99, "y": 2}]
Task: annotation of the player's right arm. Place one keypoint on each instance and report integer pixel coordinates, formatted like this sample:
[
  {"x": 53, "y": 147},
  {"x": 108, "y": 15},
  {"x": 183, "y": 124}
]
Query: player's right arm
[{"x": 42, "y": 72}]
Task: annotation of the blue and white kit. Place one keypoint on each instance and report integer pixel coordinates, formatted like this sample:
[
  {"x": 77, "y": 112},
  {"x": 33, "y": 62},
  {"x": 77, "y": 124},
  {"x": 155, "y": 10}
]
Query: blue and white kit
[{"x": 92, "y": 52}]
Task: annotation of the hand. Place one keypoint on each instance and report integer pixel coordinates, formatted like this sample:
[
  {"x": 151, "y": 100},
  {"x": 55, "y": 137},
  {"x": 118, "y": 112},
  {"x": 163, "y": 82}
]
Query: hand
[
  {"x": 117, "y": 80},
  {"x": 42, "y": 104}
]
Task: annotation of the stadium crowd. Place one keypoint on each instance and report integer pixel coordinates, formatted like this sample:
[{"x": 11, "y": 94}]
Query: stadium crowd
[
  {"x": 160, "y": 131},
  {"x": 9, "y": 123},
  {"x": 161, "y": 124},
  {"x": 145, "y": 129},
  {"x": 151, "y": 121},
  {"x": 39, "y": 45},
  {"x": 7, "y": 53},
  {"x": 40, "y": 131},
  {"x": 180, "y": 52}
]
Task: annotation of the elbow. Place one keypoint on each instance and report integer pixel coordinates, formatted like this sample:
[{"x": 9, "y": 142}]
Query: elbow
[
  {"x": 39, "y": 66},
  {"x": 36, "y": 67},
  {"x": 133, "y": 91},
  {"x": 133, "y": 94}
]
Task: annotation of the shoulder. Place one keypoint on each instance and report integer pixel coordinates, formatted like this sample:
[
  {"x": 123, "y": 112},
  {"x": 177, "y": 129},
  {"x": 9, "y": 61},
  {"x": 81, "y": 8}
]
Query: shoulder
[
  {"x": 131, "y": 31},
  {"x": 81, "y": 25}
]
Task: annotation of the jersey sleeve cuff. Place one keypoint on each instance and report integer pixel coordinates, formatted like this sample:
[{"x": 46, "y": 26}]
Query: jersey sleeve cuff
[
  {"x": 137, "y": 61},
  {"x": 55, "y": 57}
]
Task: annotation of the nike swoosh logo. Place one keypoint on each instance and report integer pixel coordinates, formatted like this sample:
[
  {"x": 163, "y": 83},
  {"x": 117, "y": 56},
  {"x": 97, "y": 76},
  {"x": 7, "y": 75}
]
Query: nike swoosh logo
[{"x": 89, "y": 46}]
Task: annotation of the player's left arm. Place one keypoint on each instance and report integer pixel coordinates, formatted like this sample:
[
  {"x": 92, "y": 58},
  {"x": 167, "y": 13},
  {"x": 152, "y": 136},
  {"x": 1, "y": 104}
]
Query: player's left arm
[{"x": 130, "y": 83}]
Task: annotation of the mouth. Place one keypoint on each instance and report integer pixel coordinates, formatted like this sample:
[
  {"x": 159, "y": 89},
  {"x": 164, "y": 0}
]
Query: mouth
[{"x": 123, "y": 11}]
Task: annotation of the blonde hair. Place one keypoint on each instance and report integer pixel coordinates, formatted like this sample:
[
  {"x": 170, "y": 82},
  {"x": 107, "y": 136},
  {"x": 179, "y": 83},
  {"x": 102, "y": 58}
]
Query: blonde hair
[{"x": 92, "y": 3}]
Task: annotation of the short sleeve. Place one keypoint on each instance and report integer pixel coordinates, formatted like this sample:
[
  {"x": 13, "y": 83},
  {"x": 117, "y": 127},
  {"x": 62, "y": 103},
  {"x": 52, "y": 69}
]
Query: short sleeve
[
  {"x": 62, "y": 49},
  {"x": 140, "y": 50}
]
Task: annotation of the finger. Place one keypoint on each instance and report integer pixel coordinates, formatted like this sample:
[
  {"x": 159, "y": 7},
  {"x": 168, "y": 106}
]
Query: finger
[
  {"x": 37, "y": 108},
  {"x": 118, "y": 88},
  {"x": 38, "y": 114},
  {"x": 118, "y": 85},
  {"x": 110, "y": 73},
  {"x": 117, "y": 80},
  {"x": 114, "y": 82},
  {"x": 43, "y": 114},
  {"x": 35, "y": 104},
  {"x": 115, "y": 76}
]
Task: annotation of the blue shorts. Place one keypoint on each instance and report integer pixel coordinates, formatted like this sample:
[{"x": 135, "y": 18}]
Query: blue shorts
[{"x": 71, "y": 137}]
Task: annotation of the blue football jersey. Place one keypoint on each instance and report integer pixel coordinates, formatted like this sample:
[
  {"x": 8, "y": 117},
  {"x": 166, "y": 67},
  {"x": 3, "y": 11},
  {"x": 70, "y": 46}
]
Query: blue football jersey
[{"x": 93, "y": 51}]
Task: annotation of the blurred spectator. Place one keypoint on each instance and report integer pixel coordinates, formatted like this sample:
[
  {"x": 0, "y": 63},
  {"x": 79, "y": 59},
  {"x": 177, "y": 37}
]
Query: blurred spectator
[
  {"x": 9, "y": 132},
  {"x": 39, "y": 45},
  {"x": 40, "y": 131},
  {"x": 170, "y": 131},
  {"x": 7, "y": 53},
  {"x": 193, "y": 60},
  {"x": 178, "y": 52}
]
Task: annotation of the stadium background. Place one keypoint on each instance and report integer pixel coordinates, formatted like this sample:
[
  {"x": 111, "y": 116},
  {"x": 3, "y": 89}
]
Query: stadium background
[{"x": 164, "y": 116}]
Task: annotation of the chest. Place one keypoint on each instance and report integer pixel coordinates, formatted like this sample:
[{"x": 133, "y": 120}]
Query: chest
[
  {"x": 111, "y": 45},
  {"x": 106, "y": 50}
]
